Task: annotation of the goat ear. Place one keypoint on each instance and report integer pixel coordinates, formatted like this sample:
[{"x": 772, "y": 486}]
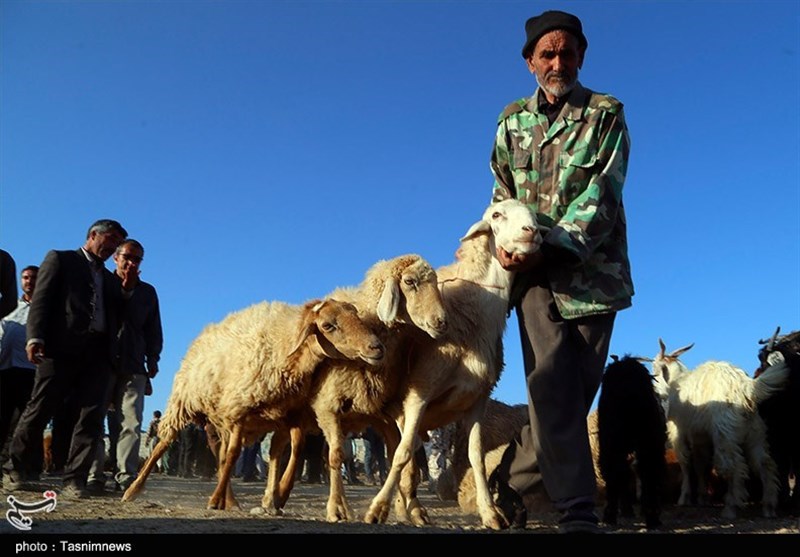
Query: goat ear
[
  {"x": 480, "y": 227},
  {"x": 389, "y": 303}
]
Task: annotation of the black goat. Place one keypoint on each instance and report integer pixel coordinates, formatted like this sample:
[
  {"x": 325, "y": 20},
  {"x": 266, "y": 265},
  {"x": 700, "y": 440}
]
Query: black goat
[
  {"x": 631, "y": 421},
  {"x": 781, "y": 414}
]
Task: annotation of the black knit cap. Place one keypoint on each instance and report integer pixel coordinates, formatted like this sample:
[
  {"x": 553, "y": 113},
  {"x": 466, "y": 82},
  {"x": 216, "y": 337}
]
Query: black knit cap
[{"x": 548, "y": 21}]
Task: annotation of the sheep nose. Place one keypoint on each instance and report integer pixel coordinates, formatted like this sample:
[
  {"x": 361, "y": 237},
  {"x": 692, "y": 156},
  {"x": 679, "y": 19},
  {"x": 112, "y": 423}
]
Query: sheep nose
[
  {"x": 376, "y": 346},
  {"x": 528, "y": 233},
  {"x": 440, "y": 324}
]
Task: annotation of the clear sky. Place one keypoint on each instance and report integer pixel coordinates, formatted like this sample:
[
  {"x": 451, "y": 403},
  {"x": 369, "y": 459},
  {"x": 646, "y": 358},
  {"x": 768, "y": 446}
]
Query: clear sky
[{"x": 276, "y": 150}]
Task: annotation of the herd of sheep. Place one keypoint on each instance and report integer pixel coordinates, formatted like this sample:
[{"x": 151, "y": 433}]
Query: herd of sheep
[
  {"x": 408, "y": 350},
  {"x": 413, "y": 348}
]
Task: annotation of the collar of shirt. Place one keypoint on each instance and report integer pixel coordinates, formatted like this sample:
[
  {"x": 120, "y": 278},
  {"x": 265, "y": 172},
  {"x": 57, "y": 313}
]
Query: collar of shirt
[
  {"x": 94, "y": 262},
  {"x": 551, "y": 110}
]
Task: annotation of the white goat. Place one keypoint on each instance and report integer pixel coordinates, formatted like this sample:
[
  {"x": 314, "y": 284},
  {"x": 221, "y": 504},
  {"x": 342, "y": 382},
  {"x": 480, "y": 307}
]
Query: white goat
[
  {"x": 713, "y": 420},
  {"x": 400, "y": 300},
  {"x": 452, "y": 377},
  {"x": 253, "y": 369}
]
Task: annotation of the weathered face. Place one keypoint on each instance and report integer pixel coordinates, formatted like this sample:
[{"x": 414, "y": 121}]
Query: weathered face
[
  {"x": 129, "y": 257},
  {"x": 556, "y": 60},
  {"x": 513, "y": 226},
  {"x": 339, "y": 325},
  {"x": 423, "y": 300}
]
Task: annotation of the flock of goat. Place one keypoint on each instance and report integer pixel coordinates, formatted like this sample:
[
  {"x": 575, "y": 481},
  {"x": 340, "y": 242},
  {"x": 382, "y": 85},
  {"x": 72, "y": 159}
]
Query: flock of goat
[
  {"x": 412, "y": 349},
  {"x": 714, "y": 418}
]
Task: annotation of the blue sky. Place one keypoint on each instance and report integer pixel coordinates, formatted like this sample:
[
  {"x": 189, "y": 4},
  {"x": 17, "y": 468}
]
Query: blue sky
[{"x": 276, "y": 150}]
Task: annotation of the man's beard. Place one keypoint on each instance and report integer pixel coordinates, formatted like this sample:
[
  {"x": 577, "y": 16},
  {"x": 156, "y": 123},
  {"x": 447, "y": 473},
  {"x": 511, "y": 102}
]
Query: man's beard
[{"x": 559, "y": 89}]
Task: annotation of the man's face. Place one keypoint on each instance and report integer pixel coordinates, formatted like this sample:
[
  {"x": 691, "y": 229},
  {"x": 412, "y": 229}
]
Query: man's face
[
  {"x": 28, "y": 279},
  {"x": 556, "y": 60},
  {"x": 103, "y": 244},
  {"x": 128, "y": 257}
]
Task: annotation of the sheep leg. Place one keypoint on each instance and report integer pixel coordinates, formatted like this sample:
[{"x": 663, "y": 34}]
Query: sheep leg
[
  {"x": 652, "y": 469},
  {"x": 414, "y": 406},
  {"x": 138, "y": 484},
  {"x": 761, "y": 460},
  {"x": 491, "y": 516},
  {"x": 298, "y": 441},
  {"x": 271, "y": 500},
  {"x": 223, "y": 498},
  {"x": 407, "y": 504},
  {"x": 731, "y": 466},
  {"x": 683, "y": 455},
  {"x": 336, "y": 508}
]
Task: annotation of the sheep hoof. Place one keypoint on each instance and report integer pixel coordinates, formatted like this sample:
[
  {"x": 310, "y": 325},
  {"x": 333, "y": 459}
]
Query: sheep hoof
[
  {"x": 494, "y": 522},
  {"x": 419, "y": 516},
  {"x": 377, "y": 515}
]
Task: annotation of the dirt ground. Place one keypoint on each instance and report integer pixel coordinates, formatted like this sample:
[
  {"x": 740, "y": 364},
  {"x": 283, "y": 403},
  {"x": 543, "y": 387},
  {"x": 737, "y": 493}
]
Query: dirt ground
[{"x": 172, "y": 505}]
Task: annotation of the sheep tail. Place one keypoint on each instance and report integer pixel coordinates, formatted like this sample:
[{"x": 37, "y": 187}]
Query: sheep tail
[
  {"x": 773, "y": 380},
  {"x": 176, "y": 417}
]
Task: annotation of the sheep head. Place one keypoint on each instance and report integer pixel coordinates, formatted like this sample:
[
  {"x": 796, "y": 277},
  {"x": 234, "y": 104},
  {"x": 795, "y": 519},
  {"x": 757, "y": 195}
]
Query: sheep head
[
  {"x": 410, "y": 294},
  {"x": 334, "y": 330},
  {"x": 512, "y": 225},
  {"x": 776, "y": 349},
  {"x": 667, "y": 367}
]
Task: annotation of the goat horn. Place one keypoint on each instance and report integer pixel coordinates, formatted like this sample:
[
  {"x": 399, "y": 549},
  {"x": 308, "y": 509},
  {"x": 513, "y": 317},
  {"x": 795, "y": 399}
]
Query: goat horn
[{"x": 771, "y": 342}]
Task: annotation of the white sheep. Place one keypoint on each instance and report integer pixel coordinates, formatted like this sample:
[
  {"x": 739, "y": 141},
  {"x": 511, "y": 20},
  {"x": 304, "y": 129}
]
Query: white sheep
[
  {"x": 452, "y": 377},
  {"x": 400, "y": 300},
  {"x": 253, "y": 369},
  {"x": 713, "y": 419}
]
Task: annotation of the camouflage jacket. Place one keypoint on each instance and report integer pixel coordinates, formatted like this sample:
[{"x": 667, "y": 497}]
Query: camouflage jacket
[{"x": 571, "y": 174}]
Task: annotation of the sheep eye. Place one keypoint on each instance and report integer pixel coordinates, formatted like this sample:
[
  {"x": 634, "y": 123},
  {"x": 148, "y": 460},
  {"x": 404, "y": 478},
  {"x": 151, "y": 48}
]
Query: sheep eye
[
  {"x": 409, "y": 281},
  {"x": 328, "y": 327}
]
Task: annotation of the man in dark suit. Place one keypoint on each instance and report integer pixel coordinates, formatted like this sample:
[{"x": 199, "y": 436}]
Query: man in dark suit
[{"x": 72, "y": 327}]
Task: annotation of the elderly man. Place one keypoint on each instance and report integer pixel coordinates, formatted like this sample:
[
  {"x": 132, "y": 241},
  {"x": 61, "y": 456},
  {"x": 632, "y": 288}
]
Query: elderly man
[
  {"x": 564, "y": 152},
  {"x": 72, "y": 329}
]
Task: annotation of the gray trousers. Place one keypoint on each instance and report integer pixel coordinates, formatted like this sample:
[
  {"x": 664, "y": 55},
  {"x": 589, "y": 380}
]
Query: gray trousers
[
  {"x": 127, "y": 396},
  {"x": 564, "y": 362}
]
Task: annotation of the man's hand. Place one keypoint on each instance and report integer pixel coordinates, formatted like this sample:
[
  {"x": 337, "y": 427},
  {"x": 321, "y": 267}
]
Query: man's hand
[
  {"x": 129, "y": 276},
  {"x": 519, "y": 261},
  {"x": 35, "y": 352},
  {"x": 152, "y": 369}
]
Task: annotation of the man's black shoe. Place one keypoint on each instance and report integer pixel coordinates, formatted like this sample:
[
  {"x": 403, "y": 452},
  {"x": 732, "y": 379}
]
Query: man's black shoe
[{"x": 579, "y": 519}]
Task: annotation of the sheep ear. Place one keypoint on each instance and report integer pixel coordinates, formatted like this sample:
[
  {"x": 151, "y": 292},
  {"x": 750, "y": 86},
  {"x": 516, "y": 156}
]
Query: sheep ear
[
  {"x": 680, "y": 351},
  {"x": 322, "y": 348},
  {"x": 389, "y": 304},
  {"x": 307, "y": 324},
  {"x": 480, "y": 227}
]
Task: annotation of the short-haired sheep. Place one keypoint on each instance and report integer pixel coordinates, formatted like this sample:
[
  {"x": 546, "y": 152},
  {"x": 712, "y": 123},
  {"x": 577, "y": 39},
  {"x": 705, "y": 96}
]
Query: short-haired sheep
[
  {"x": 713, "y": 419},
  {"x": 453, "y": 376},
  {"x": 251, "y": 370}
]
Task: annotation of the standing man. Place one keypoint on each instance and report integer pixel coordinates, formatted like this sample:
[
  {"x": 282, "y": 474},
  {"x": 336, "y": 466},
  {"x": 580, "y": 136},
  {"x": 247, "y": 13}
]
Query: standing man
[
  {"x": 72, "y": 330},
  {"x": 564, "y": 152},
  {"x": 16, "y": 372},
  {"x": 140, "y": 343}
]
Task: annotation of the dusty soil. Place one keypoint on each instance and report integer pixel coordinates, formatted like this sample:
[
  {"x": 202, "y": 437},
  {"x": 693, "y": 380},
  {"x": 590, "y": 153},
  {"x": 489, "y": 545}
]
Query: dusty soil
[{"x": 177, "y": 506}]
